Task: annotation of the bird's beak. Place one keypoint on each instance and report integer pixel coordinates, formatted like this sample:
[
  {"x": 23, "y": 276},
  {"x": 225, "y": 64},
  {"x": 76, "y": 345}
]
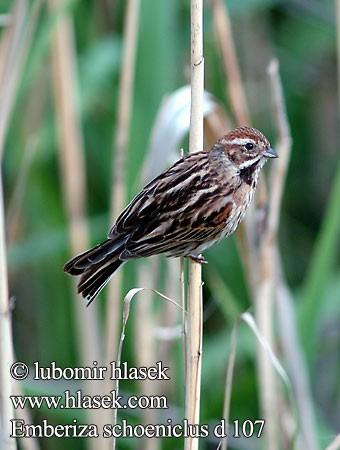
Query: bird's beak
[{"x": 270, "y": 153}]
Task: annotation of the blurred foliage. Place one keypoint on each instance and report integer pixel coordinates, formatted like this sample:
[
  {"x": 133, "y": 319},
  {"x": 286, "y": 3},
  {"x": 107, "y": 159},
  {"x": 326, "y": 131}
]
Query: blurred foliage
[{"x": 302, "y": 35}]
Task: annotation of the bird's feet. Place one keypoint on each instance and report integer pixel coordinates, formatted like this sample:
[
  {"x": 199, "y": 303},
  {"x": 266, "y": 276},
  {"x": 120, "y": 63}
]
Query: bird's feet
[{"x": 199, "y": 259}]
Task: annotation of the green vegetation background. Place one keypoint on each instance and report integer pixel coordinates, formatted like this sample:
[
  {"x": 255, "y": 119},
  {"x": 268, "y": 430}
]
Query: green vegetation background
[{"x": 303, "y": 36}]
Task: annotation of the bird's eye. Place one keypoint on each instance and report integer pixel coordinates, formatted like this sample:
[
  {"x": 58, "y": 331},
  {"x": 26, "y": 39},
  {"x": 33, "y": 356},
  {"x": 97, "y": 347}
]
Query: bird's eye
[{"x": 249, "y": 146}]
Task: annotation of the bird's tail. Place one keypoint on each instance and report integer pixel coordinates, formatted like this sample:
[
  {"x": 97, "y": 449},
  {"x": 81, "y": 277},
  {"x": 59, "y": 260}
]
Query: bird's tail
[{"x": 96, "y": 266}]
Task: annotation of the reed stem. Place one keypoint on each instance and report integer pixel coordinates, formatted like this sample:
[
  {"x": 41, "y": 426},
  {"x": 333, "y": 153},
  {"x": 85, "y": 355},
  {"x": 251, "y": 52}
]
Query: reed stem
[
  {"x": 194, "y": 302},
  {"x": 6, "y": 343}
]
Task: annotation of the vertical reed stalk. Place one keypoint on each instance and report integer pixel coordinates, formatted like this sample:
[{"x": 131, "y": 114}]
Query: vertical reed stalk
[
  {"x": 118, "y": 194},
  {"x": 11, "y": 50},
  {"x": 145, "y": 345},
  {"x": 294, "y": 359},
  {"x": 29, "y": 443},
  {"x": 194, "y": 302},
  {"x": 229, "y": 384},
  {"x": 239, "y": 105},
  {"x": 291, "y": 347},
  {"x": 183, "y": 305},
  {"x": 14, "y": 45},
  {"x": 6, "y": 343},
  {"x": 238, "y": 99},
  {"x": 264, "y": 305},
  {"x": 170, "y": 317},
  {"x": 72, "y": 171},
  {"x": 261, "y": 277}
]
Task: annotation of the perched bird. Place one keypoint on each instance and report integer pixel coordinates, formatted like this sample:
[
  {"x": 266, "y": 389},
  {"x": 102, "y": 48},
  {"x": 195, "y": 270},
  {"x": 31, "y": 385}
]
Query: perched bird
[{"x": 186, "y": 209}]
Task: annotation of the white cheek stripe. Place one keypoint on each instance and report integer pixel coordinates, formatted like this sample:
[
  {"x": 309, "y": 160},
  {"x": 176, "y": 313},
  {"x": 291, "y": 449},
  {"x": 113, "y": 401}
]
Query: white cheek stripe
[{"x": 249, "y": 163}]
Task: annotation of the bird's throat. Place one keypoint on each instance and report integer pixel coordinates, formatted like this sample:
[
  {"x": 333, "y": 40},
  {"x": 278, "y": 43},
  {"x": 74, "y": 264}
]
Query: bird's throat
[{"x": 249, "y": 174}]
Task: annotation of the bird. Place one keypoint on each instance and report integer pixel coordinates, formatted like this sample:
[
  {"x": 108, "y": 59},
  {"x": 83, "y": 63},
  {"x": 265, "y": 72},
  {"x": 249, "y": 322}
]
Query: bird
[{"x": 186, "y": 209}]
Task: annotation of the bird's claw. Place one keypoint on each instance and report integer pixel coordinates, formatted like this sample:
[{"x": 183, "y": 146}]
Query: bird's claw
[{"x": 199, "y": 259}]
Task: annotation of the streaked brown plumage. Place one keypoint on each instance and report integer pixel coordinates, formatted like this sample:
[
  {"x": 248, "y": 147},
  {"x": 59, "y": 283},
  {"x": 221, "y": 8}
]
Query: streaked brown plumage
[{"x": 195, "y": 203}]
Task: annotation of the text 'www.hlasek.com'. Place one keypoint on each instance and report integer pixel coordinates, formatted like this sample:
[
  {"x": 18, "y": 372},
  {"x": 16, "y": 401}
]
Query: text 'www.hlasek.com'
[{"x": 77, "y": 399}]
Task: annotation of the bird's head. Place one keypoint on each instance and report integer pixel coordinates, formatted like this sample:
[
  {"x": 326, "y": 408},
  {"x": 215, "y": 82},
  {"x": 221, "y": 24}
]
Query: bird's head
[{"x": 246, "y": 147}]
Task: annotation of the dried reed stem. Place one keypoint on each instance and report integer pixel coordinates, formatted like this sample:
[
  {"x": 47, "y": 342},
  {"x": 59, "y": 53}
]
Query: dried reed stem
[
  {"x": 11, "y": 50},
  {"x": 29, "y": 443},
  {"x": 14, "y": 47},
  {"x": 229, "y": 384},
  {"x": 170, "y": 319},
  {"x": 292, "y": 353},
  {"x": 262, "y": 281},
  {"x": 238, "y": 99},
  {"x": 238, "y": 102},
  {"x": 183, "y": 321},
  {"x": 284, "y": 144},
  {"x": 72, "y": 171},
  {"x": 145, "y": 345},
  {"x": 118, "y": 194},
  {"x": 264, "y": 304},
  {"x": 195, "y": 306},
  {"x": 6, "y": 343},
  {"x": 10, "y": 53}
]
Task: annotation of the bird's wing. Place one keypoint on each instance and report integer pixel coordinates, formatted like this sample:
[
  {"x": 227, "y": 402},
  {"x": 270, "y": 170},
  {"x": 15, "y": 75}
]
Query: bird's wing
[
  {"x": 177, "y": 235},
  {"x": 184, "y": 205},
  {"x": 164, "y": 192}
]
